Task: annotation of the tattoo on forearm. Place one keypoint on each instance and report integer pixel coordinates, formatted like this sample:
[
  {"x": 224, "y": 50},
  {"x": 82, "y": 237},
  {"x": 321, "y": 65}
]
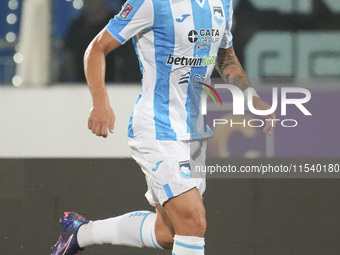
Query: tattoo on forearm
[{"x": 231, "y": 70}]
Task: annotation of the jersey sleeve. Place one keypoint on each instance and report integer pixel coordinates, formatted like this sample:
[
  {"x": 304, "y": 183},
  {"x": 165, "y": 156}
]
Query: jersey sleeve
[
  {"x": 134, "y": 17},
  {"x": 227, "y": 40}
]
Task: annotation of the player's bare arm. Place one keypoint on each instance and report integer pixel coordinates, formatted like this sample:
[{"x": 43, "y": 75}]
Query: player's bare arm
[
  {"x": 102, "y": 117},
  {"x": 230, "y": 69}
]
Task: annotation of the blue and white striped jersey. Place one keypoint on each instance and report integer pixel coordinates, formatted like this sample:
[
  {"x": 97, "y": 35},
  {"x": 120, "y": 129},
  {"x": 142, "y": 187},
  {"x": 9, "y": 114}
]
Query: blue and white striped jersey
[{"x": 177, "y": 43}]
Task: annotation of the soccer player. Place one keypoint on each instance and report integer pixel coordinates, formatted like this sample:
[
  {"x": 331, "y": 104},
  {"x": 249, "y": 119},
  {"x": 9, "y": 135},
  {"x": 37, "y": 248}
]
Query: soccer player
[{"x": 178, "y": 43}]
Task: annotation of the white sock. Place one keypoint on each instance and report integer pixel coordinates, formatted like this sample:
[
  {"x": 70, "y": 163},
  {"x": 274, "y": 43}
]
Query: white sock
[
  {"x": 132, "y": 229},
  {"x": 188, "y": 245}
]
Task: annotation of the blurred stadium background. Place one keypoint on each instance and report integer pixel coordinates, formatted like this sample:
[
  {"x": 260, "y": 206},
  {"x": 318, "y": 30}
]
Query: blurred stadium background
[{"x": 50, "y": 162}]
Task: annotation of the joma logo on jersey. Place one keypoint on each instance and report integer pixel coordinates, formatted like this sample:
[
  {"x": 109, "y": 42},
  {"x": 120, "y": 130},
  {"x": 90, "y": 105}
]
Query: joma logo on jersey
[
  {"x": 204, "y": 36},
  {"x": 190, "y": 61}
]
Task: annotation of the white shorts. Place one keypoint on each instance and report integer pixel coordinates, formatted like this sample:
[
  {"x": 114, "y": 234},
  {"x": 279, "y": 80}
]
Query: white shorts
[{"x": 167, "y": 166}]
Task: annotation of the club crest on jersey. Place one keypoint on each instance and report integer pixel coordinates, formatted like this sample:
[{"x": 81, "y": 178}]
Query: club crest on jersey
[
  {"x": 184, "y": 168},
  {"x": 126, "y": 11},
  {"x": 218, "y": 15}
]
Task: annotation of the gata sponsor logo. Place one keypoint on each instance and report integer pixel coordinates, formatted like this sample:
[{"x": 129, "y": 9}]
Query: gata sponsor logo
[
  {"x": 204, "y": 36},
  {"x": 193, "y": 36},
  {"x": 190, "y": 61}
]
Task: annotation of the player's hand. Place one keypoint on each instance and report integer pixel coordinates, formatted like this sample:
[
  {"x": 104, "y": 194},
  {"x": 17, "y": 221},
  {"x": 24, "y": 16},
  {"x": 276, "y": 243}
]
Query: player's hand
[
  {"x": 101, "y": 120},
  {"x": 259, "y": 104}
]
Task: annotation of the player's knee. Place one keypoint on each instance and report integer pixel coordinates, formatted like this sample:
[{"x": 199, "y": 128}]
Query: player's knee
[
  {"x": 198, "y": 225},
  {"x": 194, "y": 224}
]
